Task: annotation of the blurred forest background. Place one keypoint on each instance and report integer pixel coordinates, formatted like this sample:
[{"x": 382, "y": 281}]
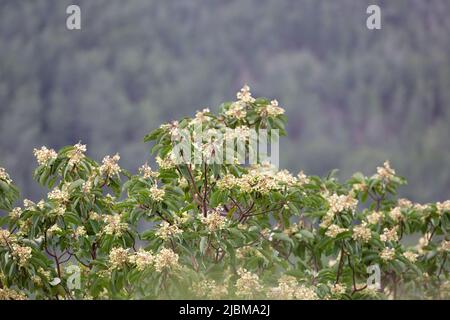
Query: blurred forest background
[{"x": 354, "y": 97}]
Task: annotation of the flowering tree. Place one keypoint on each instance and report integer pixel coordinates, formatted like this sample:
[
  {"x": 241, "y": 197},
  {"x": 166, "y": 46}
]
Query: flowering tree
[{"x": 207, "y": 229}]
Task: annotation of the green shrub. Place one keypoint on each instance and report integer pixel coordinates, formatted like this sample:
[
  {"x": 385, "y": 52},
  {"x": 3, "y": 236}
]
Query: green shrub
[{"x": 216, "y": 230}]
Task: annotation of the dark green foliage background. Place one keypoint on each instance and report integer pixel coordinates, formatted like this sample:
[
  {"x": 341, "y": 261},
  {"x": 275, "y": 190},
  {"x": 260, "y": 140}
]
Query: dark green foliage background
[{"x": 354, "y": 97}]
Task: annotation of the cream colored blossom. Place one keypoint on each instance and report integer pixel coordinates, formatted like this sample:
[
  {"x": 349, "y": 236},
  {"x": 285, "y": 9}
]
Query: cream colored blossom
[
  {"x": 285, "y": 178},
  {"x": 396, "y": 214},
  {"x": 210, "y": 289},
  {"x": 4, "y": 237},
  {"x": 228, "y": 182},
  {"x": 76, "y": 155},
  {"x": 245, "y": 95},
  {"x": 118, "y": 258},
  {"x": 10, "y": 294},
  {"x": 248, "y": 284},
  {"x": 423, "y": 242},
  {"x": 339, "y": 203},
  {"x": 41, "y": 205},
  {"x": 362, "y": 233},
  {"x": 5, "y": 176},
  {"x": 285, "y": 290},
  {"x": 334, "y": 230},
  {"x": 214, "y": 221},
  {"x": 166, "y": 259},
  {"x": 338, "y": 289},
  {"x": 156, "y": 194},
  {"x": 142, "y": 259},
  {"x": 443, "y": 206},
  {"x": 411, "y": 256},
  {"x": 289, "y": 288},
  {"x": 387, "y": 254},
  {"x": 385, "y": 172},
  {"x": 80, "y": 231},
  {"x": 271, "y": 110},
  {"x": 114, "y": 225},
  {"x": 420, "y": 207},
  {"x": 404, "y": 203},
  {"x": 147, "y": 172},
  {"x": 445, "y": 246},
  {"x": 200, "y": 117},
  {"x": 110, "y": 166},
  {"x": 374, "y": 217},
  {"x": 94, "y": 216},
  {"x": 58, "y": 195},
  {"x": 166, "y": 163},
  {"x": 237, "y": 110},
  {"x": 302, "y": 178},
  {"x": 44, "y": 155},
  {"x": 53, "y": 230},
  {"x": 173, "y": 128},
  {"x": 389, "y": 234},
  {"x": 22, "y": 254},
  {"x": 167, "y": 230},
  {"x": 359, "y": 187},
  {"x": 15, "y": 213},
  {"x": 60, "y": 210},
  {"x": 28, "y": 204}
]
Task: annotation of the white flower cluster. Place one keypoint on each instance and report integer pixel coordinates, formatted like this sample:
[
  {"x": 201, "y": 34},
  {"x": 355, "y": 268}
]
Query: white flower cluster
[
  {"x": 4, "y": 237},
  {"x": 200, "y": 117},
  {"x": 334, "y": 230},
  {"x": 248, "y": 285},
  {"x": 339, "y": 203},
  {"x": 118, "y": 258},
  {"x": 77, "y": 154},
  {"x": 22, "y": 254},
  {"x": 60, "y": 196},
  {"x": 166, "y": 259},
  {"x": 142, "y": 259},
  {"x": 245, "y": 95},
  {"x": 156, "y": 194},
  {"x": 15, "y": 213},
  {"x": 443, "y": 207},
  {"x": 114, "y": 225},
  {"x": 289, "y": 288},
  {"x": 214, "y": 220},
  {"x": 54, "y": 229},
  {"x": 387, "y": 254},
  {"x": 362, "y": 233},
  {"x": 271, "y": 110},
  {"x": 237, "y": 110},
  {"x": 147, "y": 172},
  {"x": 5, "y": 176},
  {"x": 209, "y": 289},
  {"x": 396, "y": 214},
  {"x": 167, "y": 230},
  {"x": 385, "y": 173},
  {"x": 389, "y": 234},
  {"x": 374, "y": 217},
  {"x": 110, "y": 166},
  {"x": 44, "y": 155},
  {"x": 411, "y": 256},
  {"x": 10, "y": 294},
  {"x": 166, "y": 163}
]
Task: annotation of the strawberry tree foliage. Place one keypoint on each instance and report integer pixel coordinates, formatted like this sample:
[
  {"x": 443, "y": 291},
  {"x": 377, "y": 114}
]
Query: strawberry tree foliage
[{"x": 216, "y": 231}]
